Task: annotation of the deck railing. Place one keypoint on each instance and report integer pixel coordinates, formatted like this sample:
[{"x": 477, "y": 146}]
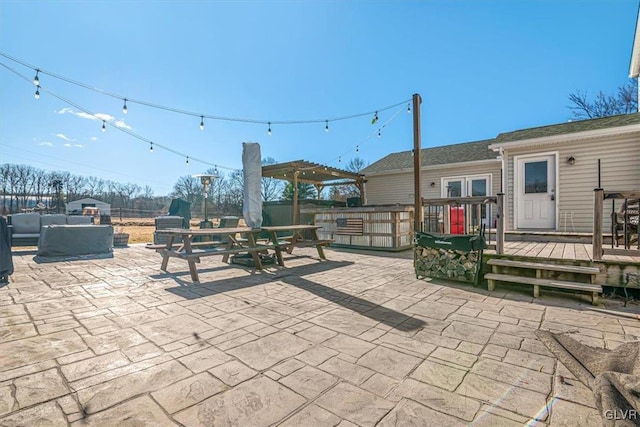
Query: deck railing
[
  {"x": 467, "y": 215},
  {"x": 624, "y": 224}
]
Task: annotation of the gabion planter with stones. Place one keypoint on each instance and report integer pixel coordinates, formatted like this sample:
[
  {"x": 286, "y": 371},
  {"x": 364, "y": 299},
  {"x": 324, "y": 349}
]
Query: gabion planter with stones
[{"x": 450, "y": 257}]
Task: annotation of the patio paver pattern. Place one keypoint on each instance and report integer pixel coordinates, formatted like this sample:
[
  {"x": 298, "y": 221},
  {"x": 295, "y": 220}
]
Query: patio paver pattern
[{"x": 355, "y": 340}]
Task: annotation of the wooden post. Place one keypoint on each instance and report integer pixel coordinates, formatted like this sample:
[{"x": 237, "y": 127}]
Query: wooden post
[
  {"x": 417, "y": 163},
  {"x": 319, "y": 188},
  {"x": 295, "y": 197},
  {"x": 363, "y": 193},
  {"x": 598, "y": 205},
  {"x": 500, "y": 225}
]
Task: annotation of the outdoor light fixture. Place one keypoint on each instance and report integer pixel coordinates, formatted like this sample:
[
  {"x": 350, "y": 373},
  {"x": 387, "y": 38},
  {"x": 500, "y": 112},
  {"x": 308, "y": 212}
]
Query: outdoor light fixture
[
  {"x": 433, "y": 184},
  {"x": 205, "y": 180},
  {"x": 201, "y": 122},
  {"x": 37, "y": 94},
  {"x": 104, "y": 127},
  {"x": 124, "y": 107},
  {"x": 571, "y": 160},
  {"x": 269, "y": 130},
  {"x": 36, "y": 79},
  {"x": 326, "y": 125}
]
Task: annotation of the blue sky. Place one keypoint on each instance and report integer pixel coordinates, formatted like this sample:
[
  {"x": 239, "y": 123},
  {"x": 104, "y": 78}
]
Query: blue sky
[{"x": 482, "y": 67}]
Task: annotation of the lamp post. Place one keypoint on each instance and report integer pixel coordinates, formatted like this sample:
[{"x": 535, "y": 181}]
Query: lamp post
[
  {"x": 206, "y": 182},
  {"x": 57, "y": 185}
]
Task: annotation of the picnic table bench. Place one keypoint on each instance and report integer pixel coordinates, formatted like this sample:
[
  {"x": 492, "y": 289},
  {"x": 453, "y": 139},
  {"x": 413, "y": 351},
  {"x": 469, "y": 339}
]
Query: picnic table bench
[{"x": 193, "y": 251}]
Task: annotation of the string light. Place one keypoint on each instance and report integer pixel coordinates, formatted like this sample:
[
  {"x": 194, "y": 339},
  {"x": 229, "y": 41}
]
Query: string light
[
  {"x": 151, "y": 147},
  {"x": 192, "y": 113},
  {"x": 409, "y": 108},
  {"x": 90, "y": 113},
  {"x": 357, "y": 149},
  {"x": 124, "y": 107},
  {"x": 379, "y": 134},
  {"x": 187, "y": 160},
  {"x": 339, "y": 160},
  {"x": 201, "y": 122},
  {"x": 326, "y": 126},
  {"x": 269, "y": 130},
  {"x": 36, "y": 79},
  {"x": 37, "y": 94}
]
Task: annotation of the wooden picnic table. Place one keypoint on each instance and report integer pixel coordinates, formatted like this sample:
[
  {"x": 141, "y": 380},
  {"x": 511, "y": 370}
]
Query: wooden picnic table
[
  {"x": 192, "y": 251},
  {"x": 296, "y": 238}
]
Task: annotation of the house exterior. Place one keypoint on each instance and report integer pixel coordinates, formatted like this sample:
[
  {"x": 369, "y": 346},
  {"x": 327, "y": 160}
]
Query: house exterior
[
  {"x": 547, "y": 173},
  {"x": 76, "y": 206},
  {"x": 551, "y": 171},
  {"x": 447, "y": 171}
]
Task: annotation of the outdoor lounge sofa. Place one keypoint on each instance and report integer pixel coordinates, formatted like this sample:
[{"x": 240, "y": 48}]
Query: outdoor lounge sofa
[{"x": 25, "y": 228}]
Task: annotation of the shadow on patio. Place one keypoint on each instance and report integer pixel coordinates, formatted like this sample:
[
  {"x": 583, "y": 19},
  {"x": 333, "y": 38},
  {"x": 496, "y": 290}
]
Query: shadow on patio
[{"x": 293, "y": 276}]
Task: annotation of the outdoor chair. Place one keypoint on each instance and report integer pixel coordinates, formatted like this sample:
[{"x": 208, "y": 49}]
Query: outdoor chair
[{"x": 626, "y": 218}]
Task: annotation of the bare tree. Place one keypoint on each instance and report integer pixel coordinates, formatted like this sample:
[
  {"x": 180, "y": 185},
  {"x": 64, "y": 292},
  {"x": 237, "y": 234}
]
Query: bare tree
[
  {"x": 271, "y": 187},
  {"x": 188, "y": 188},
  {"x": 624, "y": 102}
]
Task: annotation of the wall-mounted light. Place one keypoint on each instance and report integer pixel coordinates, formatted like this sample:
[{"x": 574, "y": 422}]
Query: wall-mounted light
[
  {"x": 433, "y": 184},
  {"x": 571, "y": 160}
]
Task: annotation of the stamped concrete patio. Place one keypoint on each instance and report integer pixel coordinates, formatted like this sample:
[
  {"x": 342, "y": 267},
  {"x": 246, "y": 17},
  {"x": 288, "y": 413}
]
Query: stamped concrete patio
[{"x": 356, "y": 340}]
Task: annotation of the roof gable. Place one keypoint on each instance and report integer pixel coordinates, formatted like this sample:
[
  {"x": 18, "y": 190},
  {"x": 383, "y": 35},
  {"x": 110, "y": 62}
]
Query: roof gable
[{"x": 447, "y": 154}]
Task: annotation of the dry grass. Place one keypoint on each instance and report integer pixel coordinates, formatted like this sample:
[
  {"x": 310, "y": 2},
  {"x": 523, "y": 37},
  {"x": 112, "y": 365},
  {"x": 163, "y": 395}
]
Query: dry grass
[{"x": 141, "y": 229}]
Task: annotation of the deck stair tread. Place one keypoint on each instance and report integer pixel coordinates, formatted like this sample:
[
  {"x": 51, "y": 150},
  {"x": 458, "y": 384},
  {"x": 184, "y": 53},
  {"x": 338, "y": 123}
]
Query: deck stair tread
[
  {"x": 544, "y": 282},
  {"x": 543, "y": 266}
]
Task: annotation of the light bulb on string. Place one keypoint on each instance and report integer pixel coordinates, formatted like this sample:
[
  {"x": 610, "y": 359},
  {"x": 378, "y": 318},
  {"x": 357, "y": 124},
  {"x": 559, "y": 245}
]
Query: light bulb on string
[
  {"x": 124, "y": 107},
  {"x": 357, "y": 149},
  {"x": 379, "y": 134},
  {"x": 409, "y": 108},
  {"x": 36, "y": 79},
  {"x": 340, "y": 159},
  {"x": 326, "y": 126},
  {"x": 269, "y": 130},
  {"x": 187, "y": 160},
  {"x": 37, "y": 94},
  {"x": 151, "y": 147},
  {"x": 104, "y": 126},
  {"x": 201, "y": 122}
]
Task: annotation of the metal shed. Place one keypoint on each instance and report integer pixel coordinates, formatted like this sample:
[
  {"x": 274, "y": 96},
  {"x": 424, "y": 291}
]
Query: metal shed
[{"x": 76, "y": 206}]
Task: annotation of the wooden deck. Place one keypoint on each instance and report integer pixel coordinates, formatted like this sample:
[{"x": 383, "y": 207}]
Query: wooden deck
[{"x": 558, "y": 250}]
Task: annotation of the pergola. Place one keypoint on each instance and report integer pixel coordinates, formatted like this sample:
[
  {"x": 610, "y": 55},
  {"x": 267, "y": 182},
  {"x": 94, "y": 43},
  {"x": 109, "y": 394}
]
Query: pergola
[{"x": 321, "y": 176}]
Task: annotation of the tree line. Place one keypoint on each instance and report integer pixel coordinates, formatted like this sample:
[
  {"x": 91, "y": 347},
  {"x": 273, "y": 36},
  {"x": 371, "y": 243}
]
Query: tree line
[{"x": 24, "y": 187}]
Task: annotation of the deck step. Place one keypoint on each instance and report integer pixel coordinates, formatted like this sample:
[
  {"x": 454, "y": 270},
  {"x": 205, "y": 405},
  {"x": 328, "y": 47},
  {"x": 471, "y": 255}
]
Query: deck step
[
  {"x": 586, "y": 287},
  {"x": 542, "y": 266}
]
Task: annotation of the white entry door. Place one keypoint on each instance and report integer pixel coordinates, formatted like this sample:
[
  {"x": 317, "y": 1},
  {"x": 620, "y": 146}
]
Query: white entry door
[{"x": 536, "y": 192}]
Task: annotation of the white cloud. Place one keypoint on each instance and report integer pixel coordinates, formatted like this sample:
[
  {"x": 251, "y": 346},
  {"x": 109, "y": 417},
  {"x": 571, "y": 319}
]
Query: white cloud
[
  {"x": 46, "y": 144},
  {"x": 63, "y": 136},
  {"x": 70, "y": 145},
  {"x": 81, "y": 114},
  {"x": 94, "y": 138},
  {"x": 85, "y": 116},
  {"x": 122, "y": 124},
  {"x": 105, "y": 117}
]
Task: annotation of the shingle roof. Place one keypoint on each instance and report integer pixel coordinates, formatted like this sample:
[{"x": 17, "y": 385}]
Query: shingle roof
[
  {"x": 569, "y": 127},
  {"x": 457, "y": 153}
]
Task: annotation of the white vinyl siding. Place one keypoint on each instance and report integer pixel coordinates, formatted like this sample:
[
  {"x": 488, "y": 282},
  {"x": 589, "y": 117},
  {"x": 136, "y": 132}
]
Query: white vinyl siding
[
  {"x": 620, "y": 170},
  {"x": 398, "y": 187}
]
